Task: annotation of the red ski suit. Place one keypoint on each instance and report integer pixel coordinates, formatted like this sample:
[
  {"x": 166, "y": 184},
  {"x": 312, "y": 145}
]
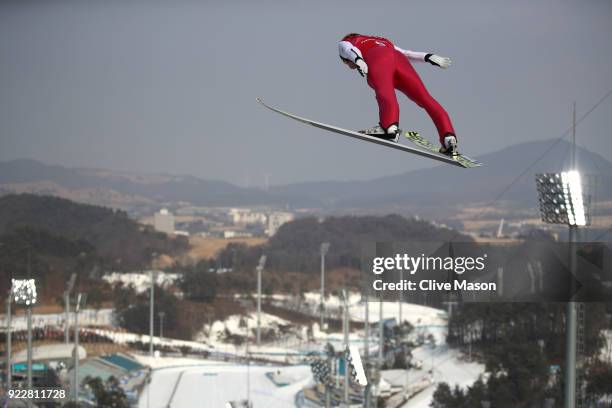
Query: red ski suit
[{"x": 388, "y": 70}]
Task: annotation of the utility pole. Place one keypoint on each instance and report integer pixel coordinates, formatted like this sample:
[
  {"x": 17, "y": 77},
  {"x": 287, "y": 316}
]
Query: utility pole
[
  {"x": 69, "y": 286},
  {"x": 324, "y": 249},
  {"x": 161, "y": 325},
  {"x": 260, "y": 266},
  {"x": 66, "y": 317},
  {"x": 345, "y": 326}
]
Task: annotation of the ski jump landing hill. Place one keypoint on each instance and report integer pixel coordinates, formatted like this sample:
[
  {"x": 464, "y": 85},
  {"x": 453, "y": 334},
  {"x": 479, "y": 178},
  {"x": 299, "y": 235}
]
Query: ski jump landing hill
[{"x": 214, "y": 385}]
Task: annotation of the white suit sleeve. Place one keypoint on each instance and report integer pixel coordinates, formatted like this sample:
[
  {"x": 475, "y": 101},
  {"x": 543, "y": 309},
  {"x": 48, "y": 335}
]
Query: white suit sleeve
[
  {"x": 349, "y": 51},
  {"x": 413, "y": 55}
]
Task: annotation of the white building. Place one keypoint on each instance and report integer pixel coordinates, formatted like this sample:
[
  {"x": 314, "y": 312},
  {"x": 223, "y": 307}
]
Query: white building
[
  {"x": 236, "y": 234},
  {"x": 276, "y": 219},
  {"x": 246, "y": 216},
  {"x": 164, "y": 221}
]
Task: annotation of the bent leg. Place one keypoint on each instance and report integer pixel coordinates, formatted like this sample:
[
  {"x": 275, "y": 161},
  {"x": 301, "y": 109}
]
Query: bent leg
[
  {"x": 408, "y": 81},
  {"x": 381, "y": 64}
]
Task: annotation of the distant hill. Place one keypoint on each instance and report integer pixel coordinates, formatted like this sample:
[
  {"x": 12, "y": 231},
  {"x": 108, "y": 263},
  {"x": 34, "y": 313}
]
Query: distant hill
[
  {"x": 444, "y": 185},
  {"x": 433, "y": 192},
  {"x": 64, "y": 237},
  {"x": 126, "y": 190},
  {"x": 296, "y": 245}
]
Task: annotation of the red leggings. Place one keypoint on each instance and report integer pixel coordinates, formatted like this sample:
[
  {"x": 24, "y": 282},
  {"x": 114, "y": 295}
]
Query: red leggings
[{"x": 389, "y": 70}]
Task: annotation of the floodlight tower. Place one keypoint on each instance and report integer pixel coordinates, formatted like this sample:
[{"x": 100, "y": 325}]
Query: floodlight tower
[
  {"x": 345, "y": 328},
  {"x": 80, "y": 302},
  {"x": 9, "y": 371},
  {"x": 324, "y": 250},
  {"x": 152, "y": 303},
  {"x": 24, "y": 293},
  {"x": 366, "y": 342},
  {"x": 260, "y": 266},
  {"x": 561, "y": 202}
]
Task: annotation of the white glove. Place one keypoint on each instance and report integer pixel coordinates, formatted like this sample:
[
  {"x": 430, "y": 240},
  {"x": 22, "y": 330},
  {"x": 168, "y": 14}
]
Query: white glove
[
  {"x": 439, "y": 61},
  {"x": 362, "y": 67}
]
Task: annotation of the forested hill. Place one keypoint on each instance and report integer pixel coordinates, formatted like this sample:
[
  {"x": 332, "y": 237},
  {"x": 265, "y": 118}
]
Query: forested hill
[
  {"x": 59, "y": 233},
  {"x": 296, "y": 245}
]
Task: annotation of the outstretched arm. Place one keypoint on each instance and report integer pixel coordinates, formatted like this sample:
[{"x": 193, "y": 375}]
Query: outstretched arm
[{"x": 433, "y": 59}]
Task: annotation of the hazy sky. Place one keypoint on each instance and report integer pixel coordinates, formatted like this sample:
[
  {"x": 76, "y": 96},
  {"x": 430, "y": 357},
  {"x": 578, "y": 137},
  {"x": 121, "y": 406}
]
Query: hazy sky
[{"x": 170, "y": 86}]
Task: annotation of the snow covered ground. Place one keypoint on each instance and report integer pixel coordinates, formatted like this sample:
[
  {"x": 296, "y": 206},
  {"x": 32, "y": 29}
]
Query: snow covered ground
[
  {"x": 414, "y": 314},
  {"x": 215, "y": 385},
  {"x": 209, "y": 383},
  {"x": 141, "y": 281},
  {"x": 239, "y": 325},
  {"x": 447, "y": 365},
  {"x": 167, "y": 362},
  {"x": 229, "y": 382}
]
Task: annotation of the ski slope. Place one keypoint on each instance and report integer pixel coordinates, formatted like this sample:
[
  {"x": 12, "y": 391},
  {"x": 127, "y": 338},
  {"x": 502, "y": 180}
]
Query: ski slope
[
  {"x": 412, "y": 313},
  {"x": 213, "y": 386},
  {"x": 220, "y": 383}
]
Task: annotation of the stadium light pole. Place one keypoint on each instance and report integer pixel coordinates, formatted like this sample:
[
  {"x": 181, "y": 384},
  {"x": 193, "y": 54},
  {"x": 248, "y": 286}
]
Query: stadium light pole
[
  {"x": 80, "y": 301},
  {"x": 561, "y": 202},
  {"x": 248, "y": 362},
  {"x": 345, "y": 327},
  {"x": 400, "y": 299},
  {"x": 69, "y": 287},
  {"x": 24, "y": 292},
  {"x": 14, "y": 294},
  {"x": 324, "y": 250},
  {"x": 366, "y": 343},
  {"x": 151, "y": 304},
  {"x": 381, "y": 332},
  {"x": 260, "y": 266},
  {"x": 9, "y": 370}
]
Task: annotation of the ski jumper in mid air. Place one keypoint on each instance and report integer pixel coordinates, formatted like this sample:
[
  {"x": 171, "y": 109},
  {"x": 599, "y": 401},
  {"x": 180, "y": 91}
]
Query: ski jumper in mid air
[{"x": 387, "y": 68}]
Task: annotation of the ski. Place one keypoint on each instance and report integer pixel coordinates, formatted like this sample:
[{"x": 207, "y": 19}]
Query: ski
[
  {"x": 424, "y": 153},
  {"x": 417, "y": 139}
]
